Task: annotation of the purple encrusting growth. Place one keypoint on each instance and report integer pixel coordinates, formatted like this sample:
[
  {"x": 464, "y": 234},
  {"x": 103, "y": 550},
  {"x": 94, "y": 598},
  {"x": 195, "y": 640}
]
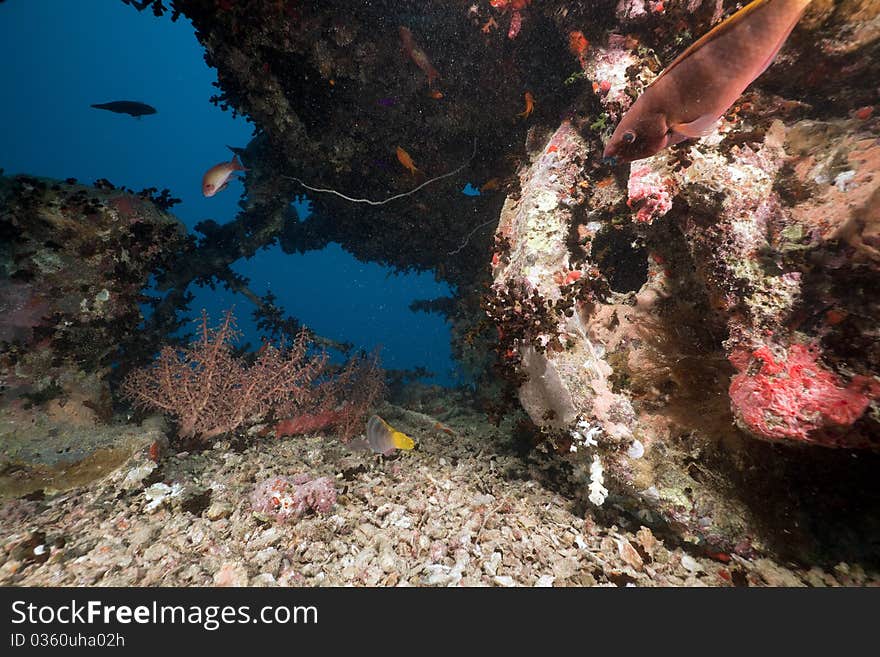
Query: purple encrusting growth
[{"x": 290, "y": 498}]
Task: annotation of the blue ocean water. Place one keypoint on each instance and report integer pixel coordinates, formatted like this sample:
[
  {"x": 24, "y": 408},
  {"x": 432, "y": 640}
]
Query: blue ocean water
[{"x": 69, "y": 55}]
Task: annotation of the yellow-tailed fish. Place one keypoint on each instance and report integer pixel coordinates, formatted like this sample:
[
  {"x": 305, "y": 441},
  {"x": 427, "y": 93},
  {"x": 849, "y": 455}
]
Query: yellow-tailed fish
[
  {"x": 382, "y": 438},
  {"x": 705, "y": 80}
]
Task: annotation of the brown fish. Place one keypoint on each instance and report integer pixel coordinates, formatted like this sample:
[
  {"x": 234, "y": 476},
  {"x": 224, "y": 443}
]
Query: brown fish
[
  {"x": 415, "y": 53},
  {"x": 705, "y": 80}
]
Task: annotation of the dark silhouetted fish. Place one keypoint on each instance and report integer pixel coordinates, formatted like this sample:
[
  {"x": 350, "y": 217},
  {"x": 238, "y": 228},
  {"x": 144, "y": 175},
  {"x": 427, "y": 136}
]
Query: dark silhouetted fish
[{"x": 131, "y": 107}]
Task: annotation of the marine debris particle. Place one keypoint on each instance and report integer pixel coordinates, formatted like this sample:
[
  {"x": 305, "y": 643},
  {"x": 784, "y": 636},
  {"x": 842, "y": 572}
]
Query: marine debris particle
[
  {"x": 131, "y": 107},
  {"x": 689, "y": 97}
]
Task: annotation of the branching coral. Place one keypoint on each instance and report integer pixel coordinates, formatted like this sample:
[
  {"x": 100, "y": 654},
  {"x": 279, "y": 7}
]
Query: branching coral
[
  {"x": 342, "y": 401},
  {"x": 210, "y": 391}
]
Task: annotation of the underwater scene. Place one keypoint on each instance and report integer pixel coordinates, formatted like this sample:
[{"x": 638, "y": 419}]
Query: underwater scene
[{"x": 513, "y": 293}]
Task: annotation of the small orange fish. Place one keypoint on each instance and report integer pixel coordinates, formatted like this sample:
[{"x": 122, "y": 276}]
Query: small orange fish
[
  {"x": 491, "y": 185},
  {"x": 515, "y": 5},
  {"x": 701, "y": 84},
  {"x": 404, "y": 158},
  {"x": 436, "y": 94},
  {"x": 530, "y": 105},
  {"x": 216, "y": 179},
  {"x": 723, "y": 557},
  {"x": 442, "y": 427}
]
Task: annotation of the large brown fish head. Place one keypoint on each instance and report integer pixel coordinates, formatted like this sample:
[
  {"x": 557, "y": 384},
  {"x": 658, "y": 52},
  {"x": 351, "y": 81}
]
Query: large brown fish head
[{"x": 638, "y": 135}]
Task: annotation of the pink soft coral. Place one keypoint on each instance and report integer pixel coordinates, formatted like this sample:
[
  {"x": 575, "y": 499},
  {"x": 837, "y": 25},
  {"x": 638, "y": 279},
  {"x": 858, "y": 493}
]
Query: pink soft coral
[
  {"x": 210, "y": 391},
  {"x": 341, "y": 402},
  {"x": 795, "y": 397},
  {"x": 649, "y": 194},
  {"x": 515, "y": 7}
]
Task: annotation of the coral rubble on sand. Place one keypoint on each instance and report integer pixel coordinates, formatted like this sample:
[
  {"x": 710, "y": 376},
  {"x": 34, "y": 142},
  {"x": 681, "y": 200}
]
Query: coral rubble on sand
[{"x": 464, "y": 511}]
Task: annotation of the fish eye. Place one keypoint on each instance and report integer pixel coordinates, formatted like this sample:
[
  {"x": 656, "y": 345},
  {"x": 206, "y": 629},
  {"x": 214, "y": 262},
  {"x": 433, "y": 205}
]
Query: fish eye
[{"x": 629, "y": 136}]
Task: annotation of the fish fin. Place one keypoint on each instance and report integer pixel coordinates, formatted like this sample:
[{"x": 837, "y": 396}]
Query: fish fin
[
  {"x": 695, "y": 129},
  {"x": 236, "y": 163},
  {"x": 225, "y": 185},
  {"x": 402, "y": 441}
]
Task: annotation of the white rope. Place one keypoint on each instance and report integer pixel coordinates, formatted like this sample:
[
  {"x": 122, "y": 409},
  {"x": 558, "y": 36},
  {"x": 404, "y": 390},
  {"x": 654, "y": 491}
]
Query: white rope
[
  {"x": 469, "y": 235},
  {"x": 322, "y": 190}
]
